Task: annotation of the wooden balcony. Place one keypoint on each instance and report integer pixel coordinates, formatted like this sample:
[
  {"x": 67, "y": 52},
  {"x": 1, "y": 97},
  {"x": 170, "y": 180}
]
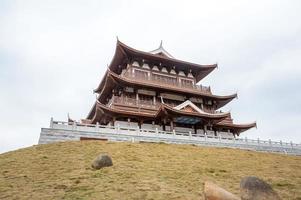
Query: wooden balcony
[
  {"x": 144, "y": 104},
  {"x": 170, "y": 82},
  {"x": 117, "y": 100}
]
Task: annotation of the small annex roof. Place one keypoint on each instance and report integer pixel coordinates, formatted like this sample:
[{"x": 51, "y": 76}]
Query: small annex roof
[
  {"x": 194, "y": 107},
  {"x": 161, "y": 51},
  {"x": 238, "y": 128}
]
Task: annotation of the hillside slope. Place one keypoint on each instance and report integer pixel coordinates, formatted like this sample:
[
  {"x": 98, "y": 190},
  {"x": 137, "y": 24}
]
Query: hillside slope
[{"x": 140, "y": 171}]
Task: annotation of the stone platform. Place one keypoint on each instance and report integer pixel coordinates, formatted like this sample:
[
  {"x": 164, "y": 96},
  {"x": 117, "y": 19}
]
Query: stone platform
[{"x": 64, "y": 131}]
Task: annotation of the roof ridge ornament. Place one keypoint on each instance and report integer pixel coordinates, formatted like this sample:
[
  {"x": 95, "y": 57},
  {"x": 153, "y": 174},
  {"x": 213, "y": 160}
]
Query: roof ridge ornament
[{"x": 161, "y": 51}]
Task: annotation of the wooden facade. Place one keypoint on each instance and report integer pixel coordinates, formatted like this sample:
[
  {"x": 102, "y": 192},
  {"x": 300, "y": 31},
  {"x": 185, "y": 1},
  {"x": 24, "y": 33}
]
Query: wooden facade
[{"x": 155, "y": 90}]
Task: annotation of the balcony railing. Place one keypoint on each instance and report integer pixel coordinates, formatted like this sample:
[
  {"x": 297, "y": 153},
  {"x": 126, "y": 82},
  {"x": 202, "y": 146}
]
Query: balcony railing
[
  {"x": 146, "y": 103},
  {"x": 133, "y": 102},
  {"x": 172, "y": 81}
]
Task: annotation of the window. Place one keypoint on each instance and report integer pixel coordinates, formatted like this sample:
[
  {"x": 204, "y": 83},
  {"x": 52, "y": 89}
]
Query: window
[
  {"x": 141, "y": 74},
  {"x": 185, "y": 82},
  {"x": 165, "y": 79}
]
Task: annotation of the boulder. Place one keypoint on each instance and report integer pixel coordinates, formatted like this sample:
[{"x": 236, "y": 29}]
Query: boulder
[
  {"x": 253, "y": 188},
  {"x": 214, "y": 192},
  {"x": 103, "y": 160}
]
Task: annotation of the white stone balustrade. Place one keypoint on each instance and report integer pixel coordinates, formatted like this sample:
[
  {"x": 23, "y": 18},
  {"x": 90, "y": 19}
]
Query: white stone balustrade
[{"x": 64, "y": 131}]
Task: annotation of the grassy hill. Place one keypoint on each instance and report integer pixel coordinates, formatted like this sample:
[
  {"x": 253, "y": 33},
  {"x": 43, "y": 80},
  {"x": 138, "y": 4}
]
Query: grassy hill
[{"x": 140, "y": 171}]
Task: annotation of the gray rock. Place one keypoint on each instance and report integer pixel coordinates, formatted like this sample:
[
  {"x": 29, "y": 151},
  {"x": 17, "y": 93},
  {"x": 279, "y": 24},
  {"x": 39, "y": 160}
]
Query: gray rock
[
  {"x": 253, "y": 188},
  {"x": 103, "y": 160},
  {"x": 214, "y": 192}
]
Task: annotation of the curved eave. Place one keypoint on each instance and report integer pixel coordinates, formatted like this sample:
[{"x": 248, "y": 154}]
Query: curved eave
[
  {"x": 223, "y": 100},
  {"x": 92, "y": 112},
  {"x": 122, "y": 51},
  {"x": 102, "y": 83},
  {"x": 239, "y": 128},
  {"x": 97, "y": 115},
  {"x": 126, "y": 81},
  {"x": 108, "y": 86}
]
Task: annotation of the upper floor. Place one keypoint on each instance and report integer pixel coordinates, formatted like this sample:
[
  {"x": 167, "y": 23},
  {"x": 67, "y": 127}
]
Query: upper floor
[{"x": 162, "y": 75}]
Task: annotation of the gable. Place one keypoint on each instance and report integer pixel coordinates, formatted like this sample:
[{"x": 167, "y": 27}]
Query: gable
[{"x": 188, "y": 108}]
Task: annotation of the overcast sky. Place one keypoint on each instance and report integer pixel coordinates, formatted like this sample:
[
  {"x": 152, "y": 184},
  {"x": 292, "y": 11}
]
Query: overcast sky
[{"x": 54, "y": 53}]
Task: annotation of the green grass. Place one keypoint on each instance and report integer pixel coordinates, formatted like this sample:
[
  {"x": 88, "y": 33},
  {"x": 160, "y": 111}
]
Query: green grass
[{"x": 140, "y": 171}]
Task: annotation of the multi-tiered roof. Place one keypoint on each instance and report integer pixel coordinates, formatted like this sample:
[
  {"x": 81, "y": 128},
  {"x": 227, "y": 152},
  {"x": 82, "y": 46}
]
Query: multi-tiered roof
[{"x": 155, "y": 88}]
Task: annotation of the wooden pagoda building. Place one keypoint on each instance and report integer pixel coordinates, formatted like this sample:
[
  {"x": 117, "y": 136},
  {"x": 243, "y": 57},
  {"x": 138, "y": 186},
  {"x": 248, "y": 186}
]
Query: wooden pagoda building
[{"x": 154, "y": 90}]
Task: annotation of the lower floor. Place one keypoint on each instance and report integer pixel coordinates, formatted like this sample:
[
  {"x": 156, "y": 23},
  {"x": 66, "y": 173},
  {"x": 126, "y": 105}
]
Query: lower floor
[
  {"x": 177, "y": 127},
  {"x": 185, "y": 118}
]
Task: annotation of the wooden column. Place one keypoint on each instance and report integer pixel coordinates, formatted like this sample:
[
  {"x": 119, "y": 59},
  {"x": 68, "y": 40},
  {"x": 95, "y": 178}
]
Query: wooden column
[
  {"x": 137, "y": 97},
  {"x": 164, "y": 122},
  {"x": 195, "y": 129},
  {"x": 113, "y": 121},
  {"x": 140, "y": 122}
]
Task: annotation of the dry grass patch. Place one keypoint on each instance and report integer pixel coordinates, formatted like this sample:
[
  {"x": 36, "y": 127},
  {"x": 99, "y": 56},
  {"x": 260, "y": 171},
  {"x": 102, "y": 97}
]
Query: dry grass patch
[{"x": 140, "y": 171}]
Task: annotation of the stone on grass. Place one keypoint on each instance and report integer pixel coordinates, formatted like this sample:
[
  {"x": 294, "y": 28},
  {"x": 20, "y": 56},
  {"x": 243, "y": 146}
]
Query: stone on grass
[
  {"x": 214, "y": 192},
  {"x": 253, "y": 188},
  {"x": 102, "y": 160}
]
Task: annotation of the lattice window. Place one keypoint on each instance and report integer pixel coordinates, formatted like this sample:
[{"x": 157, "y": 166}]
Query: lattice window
[
  {"x": 185, "y": 82},
  {"x": 165, "y": 79},
  {"x": 141, "y": 74}
]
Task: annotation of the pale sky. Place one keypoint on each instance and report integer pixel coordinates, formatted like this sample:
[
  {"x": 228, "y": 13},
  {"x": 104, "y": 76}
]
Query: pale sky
[{"x": 54, "y": 53}]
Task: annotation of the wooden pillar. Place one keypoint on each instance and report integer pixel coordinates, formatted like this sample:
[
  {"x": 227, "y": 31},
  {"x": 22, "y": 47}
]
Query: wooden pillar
[
  {"x": 137, "y": 97},
  {"x": 140, "y": 122},
  {"x": 113, "y": 121},
  {"x": 195, "y": 129},
  {"x": 164, "y": 122}
]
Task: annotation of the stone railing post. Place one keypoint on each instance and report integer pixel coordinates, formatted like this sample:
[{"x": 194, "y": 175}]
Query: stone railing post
[
  {"x": 157, "y": 132},
  {"x": 219, "y": 138},
  {"x": 74, "y": 125},
  {"x": 246, "y": 140},
  {"x": 270, "y": 142},
  {"x": 51, "y": 122},
  {"x": 258, "y": 141},
  {"x": 292, "y": 145},
  {"x": 97, "y": 126},
  {"x": 280, "y": 142},
  {"x": 174, "y": 133},
  {"x": 189, "y": 134},
  {"x": 117, "y": 128},
  {"x": 205, "y": 136}
]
